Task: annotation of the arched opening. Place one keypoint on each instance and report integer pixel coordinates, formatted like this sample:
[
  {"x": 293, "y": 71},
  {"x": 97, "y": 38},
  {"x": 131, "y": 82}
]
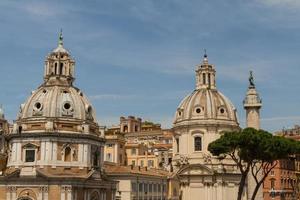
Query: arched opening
[
  {"x": 198, "y": 144},
  {"x": 67, "y": 154},
  {"x": 55, "y": 68},
  {"x": 61, "y": 68},
  {"x": 96, "y": 159},
  {"x": 20, "y": 129},
  {"x": 209, "y": 79},
  {"x": 125, "y": 128},
  {"x": 24, "y": 198},
  {"x": 204, "y": 78}
]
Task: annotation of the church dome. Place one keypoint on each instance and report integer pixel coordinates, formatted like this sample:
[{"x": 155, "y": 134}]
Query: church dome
[
  {"x": 206, "y": 105},
  {"x": 57, "y": 102},
  {"x": 57, "y": 105}
]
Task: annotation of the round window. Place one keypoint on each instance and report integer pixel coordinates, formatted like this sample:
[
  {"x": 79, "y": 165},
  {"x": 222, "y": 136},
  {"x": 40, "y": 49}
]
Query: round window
[
  {"x": 37, "y": 106},
  {"x": 198, "y": 110},
  {"x": 67, "y": 106},
  {"x": 222, "y": 110}
]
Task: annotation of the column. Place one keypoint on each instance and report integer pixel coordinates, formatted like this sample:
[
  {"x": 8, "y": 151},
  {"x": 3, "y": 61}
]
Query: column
[
  {"x": 18, "y": 152},
  {"x": 219, "y": 191},
  {"x": 205, "y": 191},
  {"x": 104, "y": 195},
  {"x": 62, "y": 193},
  {"x": 11, "y": 194},
  {"x": 69, "y": 192},
  {"x": 54, "y": 154},
  {"x": 116, "y": 153}
]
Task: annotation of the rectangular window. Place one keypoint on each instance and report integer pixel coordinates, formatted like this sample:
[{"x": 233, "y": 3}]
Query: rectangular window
[
  {"x": 150, "y": 163},
  {"x": 133, "y": 151},
  {"x": 198, "y": 143},
  {"x": 108, "y": 157},
  {"x": 141, "y": 187},
  {"x": 159, "y": 188},
  {"x": 133, "y": 187},
  {"x": 272, "y": 184},
  {"x": 150, "y": 187},
  {"x": 133, "y": 163},
  {"x": 155, "y": 188},
  {"x": 30, "y": 155},
  {"x": 142, "y": 163}
]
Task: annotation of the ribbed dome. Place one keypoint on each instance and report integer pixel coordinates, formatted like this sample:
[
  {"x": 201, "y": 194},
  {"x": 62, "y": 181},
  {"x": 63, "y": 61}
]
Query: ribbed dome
[
  {"x": 206, "y": 106},
  {"x": 57, "y": 105},
  {"x": 57, "y": 102}
]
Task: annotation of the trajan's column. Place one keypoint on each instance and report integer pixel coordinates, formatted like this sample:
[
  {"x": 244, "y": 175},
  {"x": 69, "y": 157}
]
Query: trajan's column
[{"x": 252, "y": 105}]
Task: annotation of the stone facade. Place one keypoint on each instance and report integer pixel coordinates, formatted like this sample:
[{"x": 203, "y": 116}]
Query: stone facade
[
  {"x": 55, "y": 150},
  {"x": 200, "y": 119}
]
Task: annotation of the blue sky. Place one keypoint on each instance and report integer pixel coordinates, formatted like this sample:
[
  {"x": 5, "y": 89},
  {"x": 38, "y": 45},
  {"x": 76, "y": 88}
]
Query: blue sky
[{"x": 137, "y": 57}]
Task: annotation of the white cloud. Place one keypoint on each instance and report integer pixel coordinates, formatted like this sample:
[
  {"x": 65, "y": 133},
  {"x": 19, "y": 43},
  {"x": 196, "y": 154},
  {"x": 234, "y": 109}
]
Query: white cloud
[{"x": 39, "y": 9}]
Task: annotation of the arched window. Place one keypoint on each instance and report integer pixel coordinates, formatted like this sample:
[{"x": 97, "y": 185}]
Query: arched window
[
  {"x": 55, "y": 68},
  {"x": 203, "y": 77},
  {"x": 209, "y": 79},
  {"x": 125, "y": 129},
  {"x": 67, "y": 154},
  {"x": 96, "y": 159},
  {"x": 198, "y": 144},
  {"x": 61, "y": 68}
]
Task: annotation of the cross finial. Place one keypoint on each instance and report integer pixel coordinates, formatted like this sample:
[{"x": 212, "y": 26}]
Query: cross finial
[{"x": 60, "y": 39}]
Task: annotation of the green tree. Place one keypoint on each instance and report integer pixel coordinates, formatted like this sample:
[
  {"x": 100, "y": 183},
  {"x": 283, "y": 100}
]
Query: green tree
[{"x": 256, "y": 152}]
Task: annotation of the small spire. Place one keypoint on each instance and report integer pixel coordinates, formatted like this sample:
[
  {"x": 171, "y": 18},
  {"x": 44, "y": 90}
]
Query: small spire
[{"x": 60, "y": 39}]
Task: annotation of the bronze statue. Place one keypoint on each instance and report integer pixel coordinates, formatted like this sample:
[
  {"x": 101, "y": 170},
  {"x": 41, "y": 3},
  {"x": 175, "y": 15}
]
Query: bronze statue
[{"x": 251, "y": 80}]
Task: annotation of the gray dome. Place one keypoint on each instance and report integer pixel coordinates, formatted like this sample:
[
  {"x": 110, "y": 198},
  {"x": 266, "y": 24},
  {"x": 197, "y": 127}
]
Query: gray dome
[
  {"x": 57, "y": 102},
  {"x": 206, "y": 106}
]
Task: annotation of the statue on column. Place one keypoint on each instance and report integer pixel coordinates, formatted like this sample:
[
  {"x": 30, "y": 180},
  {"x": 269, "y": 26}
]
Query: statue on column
[{"x": 251, "y": 80}]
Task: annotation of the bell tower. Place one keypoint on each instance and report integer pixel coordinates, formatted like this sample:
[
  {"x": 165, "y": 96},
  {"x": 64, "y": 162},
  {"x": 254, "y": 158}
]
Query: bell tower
[
  {"x": 59, "y": 66},
  {"x": 252, "y": 104}
]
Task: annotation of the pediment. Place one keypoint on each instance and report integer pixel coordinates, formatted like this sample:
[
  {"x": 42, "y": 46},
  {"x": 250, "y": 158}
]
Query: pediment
[{"x": 195, "y": 169}]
